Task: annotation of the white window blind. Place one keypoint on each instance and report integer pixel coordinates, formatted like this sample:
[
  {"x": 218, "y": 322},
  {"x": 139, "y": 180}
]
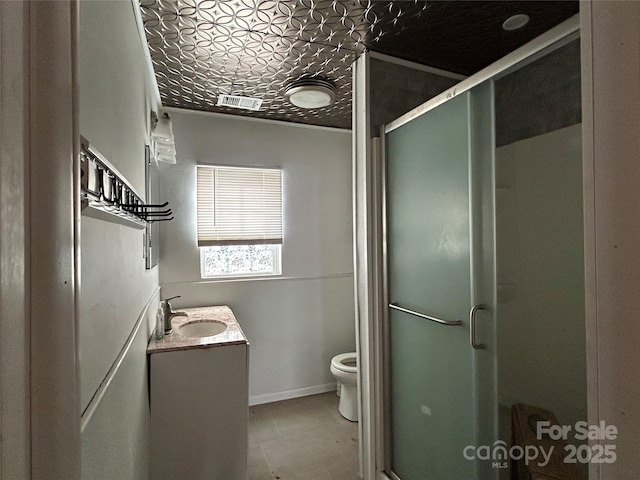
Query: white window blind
[{"x": 239, "y": 206}]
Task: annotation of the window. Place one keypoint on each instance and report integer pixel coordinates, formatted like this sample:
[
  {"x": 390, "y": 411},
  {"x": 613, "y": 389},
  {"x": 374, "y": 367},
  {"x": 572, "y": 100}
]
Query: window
[
  {"x": 240, "y": 260},
  {"x": 239, "y": 214}
]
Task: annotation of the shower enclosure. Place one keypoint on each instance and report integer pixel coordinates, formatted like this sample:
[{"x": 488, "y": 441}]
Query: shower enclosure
[{"x": 483, "y": 265}]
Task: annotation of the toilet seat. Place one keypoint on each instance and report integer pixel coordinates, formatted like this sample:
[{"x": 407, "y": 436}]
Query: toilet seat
[{"x": 341, "y": 362}]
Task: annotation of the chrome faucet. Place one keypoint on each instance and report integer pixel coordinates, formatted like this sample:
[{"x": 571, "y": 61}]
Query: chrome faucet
[{"x": 168, "y": 314}]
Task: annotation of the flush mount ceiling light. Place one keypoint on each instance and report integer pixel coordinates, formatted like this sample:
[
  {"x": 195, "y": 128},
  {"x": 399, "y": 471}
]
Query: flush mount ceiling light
[
  {"x": 515, "y": 22},
  {"x": 311, "y": 92}
]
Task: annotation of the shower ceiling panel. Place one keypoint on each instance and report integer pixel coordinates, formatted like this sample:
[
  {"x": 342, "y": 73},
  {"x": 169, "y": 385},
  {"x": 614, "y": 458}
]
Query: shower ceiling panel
[{"x": 203, "y": 48}]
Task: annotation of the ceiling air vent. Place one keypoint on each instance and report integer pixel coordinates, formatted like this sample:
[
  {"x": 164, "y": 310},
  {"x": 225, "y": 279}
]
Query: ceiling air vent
[{"x": 237, "y": 101}]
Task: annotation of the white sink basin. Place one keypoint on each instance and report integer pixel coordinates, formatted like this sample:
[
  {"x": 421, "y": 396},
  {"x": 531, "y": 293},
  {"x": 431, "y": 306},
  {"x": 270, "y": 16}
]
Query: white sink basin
[{"x": 202, "y": 328}]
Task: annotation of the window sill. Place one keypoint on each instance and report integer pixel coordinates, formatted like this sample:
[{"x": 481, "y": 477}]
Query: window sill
[
  {"x": 242, "y": 278},
  {"x": 206, "y": 280}
]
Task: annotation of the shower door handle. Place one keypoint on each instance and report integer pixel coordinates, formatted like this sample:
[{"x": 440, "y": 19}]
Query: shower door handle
[{"x": 472, "y": 326}]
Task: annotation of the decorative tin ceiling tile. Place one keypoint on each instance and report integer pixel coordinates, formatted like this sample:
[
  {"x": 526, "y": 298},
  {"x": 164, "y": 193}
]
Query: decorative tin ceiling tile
[{"x": 201, "y": 49}]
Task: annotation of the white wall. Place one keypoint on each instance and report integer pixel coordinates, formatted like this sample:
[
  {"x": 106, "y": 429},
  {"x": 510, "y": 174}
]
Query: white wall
[
  {"x": 610, "y": 34},
  {"x": 296, "y": 323},
  {"x": 116, "y": 95},
  {"x": 541, "y": 318},
  {"x": 115, "y": 443}
]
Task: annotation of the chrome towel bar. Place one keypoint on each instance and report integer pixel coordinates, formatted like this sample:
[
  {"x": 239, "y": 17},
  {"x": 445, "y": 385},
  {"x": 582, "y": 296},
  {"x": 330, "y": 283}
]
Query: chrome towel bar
[{"x": 426, "y": 317}]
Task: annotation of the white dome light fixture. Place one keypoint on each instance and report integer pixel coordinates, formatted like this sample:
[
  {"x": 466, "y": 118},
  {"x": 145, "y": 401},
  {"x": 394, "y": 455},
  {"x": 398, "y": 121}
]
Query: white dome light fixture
[
  {"x": 515, "y": 22},
  {"x": 311, "y": 92}
]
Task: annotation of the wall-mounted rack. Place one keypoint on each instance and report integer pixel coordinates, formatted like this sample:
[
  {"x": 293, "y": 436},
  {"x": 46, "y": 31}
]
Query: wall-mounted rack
[{"x": 107, "y": 195}]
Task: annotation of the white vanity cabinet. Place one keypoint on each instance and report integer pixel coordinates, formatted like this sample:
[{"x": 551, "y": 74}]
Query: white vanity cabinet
[{"x": 199, "y": 407}]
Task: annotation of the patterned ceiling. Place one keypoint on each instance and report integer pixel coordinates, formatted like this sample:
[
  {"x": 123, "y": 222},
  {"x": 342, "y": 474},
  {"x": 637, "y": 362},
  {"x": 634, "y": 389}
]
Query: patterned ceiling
[{"x": 203, "y": 48}]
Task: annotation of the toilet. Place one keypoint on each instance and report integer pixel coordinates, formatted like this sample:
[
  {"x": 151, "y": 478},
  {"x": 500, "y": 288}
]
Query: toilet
[{"x": 344, "y": 368}]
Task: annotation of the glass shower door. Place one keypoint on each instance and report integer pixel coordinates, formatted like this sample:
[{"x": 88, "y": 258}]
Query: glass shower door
[{"x": 431, "y": 363}]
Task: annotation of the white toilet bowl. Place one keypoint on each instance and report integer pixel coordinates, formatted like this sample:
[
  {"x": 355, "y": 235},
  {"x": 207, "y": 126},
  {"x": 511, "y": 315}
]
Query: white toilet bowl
[{"x": 344, "y": 368}]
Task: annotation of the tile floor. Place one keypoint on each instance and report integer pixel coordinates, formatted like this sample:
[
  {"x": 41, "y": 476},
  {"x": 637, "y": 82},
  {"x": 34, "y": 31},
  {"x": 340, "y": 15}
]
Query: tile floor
[{"x": 302, "y": 439}]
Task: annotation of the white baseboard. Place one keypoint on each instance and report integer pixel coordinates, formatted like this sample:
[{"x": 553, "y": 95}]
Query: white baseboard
[{"x": 288, "y": 394}]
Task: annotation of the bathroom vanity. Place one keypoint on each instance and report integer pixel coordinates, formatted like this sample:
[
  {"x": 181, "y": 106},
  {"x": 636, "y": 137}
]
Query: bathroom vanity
[{"x": 199, "y": 398}]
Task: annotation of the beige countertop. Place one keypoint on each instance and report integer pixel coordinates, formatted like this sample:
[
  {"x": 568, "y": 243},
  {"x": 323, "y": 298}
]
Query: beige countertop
[{"x": 233, "y": 335}]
